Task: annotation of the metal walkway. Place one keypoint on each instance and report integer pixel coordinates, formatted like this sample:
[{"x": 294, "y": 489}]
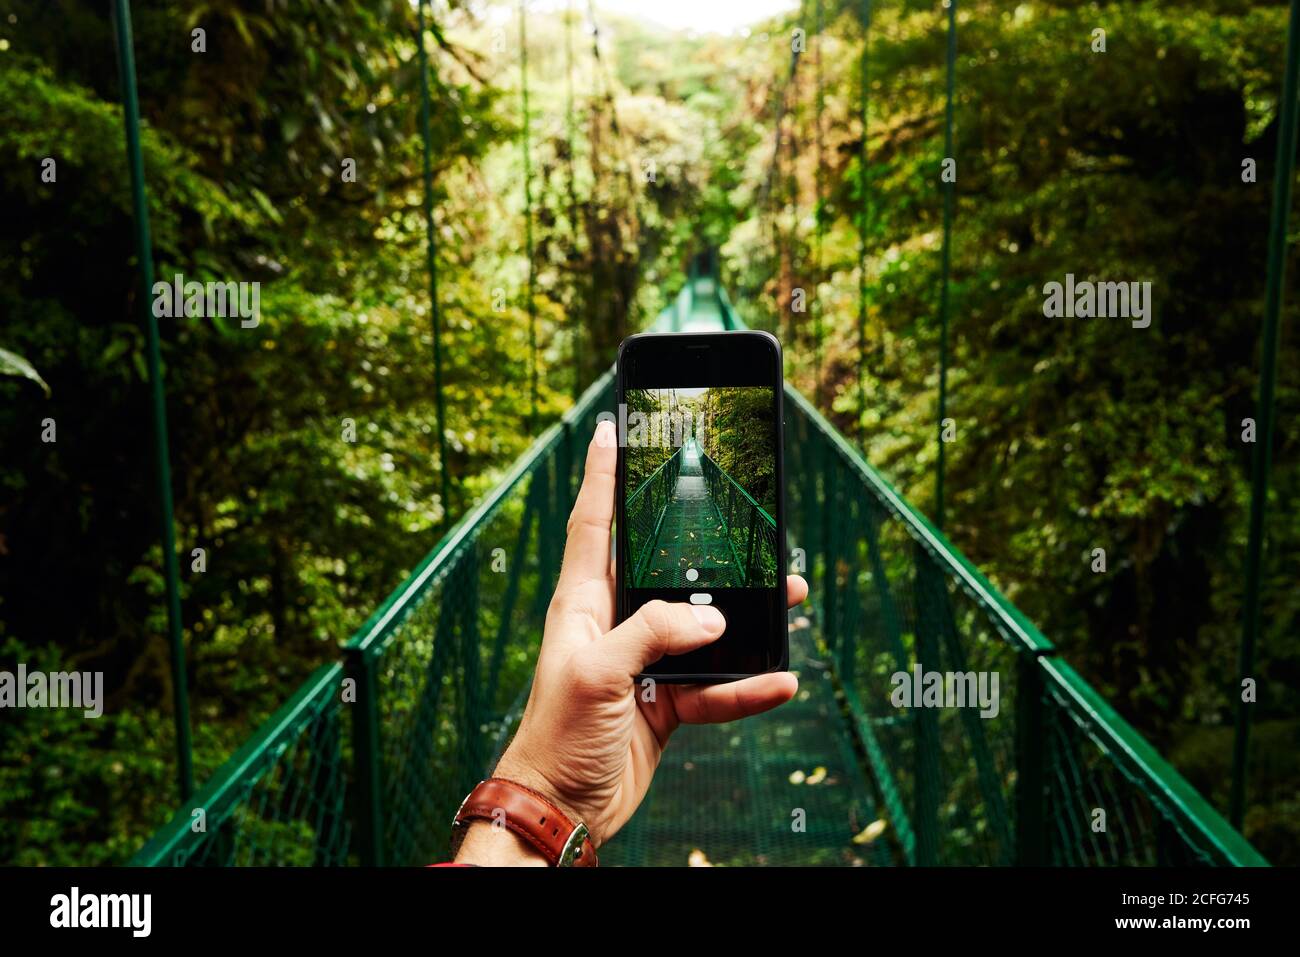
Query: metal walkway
[
  {"x": 693, "y": 535},
  {"x": 783, "y": 788}
]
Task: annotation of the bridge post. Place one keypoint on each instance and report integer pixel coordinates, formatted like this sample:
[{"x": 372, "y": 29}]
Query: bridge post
[
  {"x": 566, "y": 451},
  {"x": 366, "y": 756},
  {"x": 931, "y": 602},
  {"x": 552, "y": 518},
  {"x": 831, "y": 631},
  {"x": 1030, "y": 827},
  {"x": 472, "y": 698},
  {"x": 510, "y": 599},
  {"x": 749, "y": 549}
]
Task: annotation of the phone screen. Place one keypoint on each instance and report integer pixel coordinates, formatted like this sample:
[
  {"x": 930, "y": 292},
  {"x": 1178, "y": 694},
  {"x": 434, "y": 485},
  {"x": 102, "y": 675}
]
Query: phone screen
[{"x": 700, "y": 492}]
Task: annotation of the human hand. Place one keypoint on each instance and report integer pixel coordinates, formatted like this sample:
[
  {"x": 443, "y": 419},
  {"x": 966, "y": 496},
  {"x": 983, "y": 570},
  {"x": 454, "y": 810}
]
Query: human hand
[{"x": 587, "y": 740}]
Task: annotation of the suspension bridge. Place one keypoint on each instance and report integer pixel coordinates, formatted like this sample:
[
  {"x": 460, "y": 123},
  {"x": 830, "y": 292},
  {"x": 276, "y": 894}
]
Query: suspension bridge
[{"x": 839, "y": 776}]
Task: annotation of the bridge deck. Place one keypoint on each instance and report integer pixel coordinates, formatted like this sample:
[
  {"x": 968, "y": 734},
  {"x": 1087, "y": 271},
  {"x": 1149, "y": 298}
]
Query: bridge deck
[
  {"x": 692, "y": 535},
  {"x": 784, "y": 789}
]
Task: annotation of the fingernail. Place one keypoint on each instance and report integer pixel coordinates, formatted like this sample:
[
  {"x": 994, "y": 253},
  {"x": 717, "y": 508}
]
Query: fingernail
[
  {"x": 710, "y": 618},
  {"x": 605, "y": 433}
]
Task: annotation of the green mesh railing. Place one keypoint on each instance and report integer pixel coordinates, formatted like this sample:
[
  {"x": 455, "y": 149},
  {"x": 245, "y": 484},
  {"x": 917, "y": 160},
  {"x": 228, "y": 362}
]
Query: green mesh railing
[
  {"x": 1037, "y": 783},
  {"x": 645, "y": 512},
  {"x": 448, "y": 657},
  {"x": 281, "y": 799},
  {"x": 751, "y": 531},
  {"x": 433, "y": 682},
  {"x": 428, "y": 683}
]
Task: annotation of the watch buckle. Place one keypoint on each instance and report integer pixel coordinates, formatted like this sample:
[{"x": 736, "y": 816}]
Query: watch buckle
[
  {"x": 572, "y": 849},
  {"x": 455, "y": 821}
]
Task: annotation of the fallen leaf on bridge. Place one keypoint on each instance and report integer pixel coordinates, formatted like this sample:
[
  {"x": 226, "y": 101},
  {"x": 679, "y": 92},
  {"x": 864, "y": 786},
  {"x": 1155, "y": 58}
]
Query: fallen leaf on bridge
[{"x": 870, "y": 832}]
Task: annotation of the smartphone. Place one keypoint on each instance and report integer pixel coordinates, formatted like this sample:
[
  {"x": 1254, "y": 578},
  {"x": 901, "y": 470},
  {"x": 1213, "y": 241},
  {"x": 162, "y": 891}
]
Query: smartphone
[{"x": 700, "y": 493}]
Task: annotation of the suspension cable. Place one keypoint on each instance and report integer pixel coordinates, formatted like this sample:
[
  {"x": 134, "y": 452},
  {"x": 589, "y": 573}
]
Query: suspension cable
[
  {"x": 768, "y": 204},
  {"x": 607, "y": 96},
  {"x": 948, "y": 184},
  {"x": 783, "y": 108},
  {"x": 819, "y": 219},
  {"x": 1288, "y": 119},
  {"x": 528, "y": 220},
  {"x": 121, "y": 14},
  {"x": 575, "y": 323},
  {"x": 864, "y": 214},
  {"x": 773, "y": 177},
  {"x": 601, "y": 77},
  {"x": 431, "y": 263}
]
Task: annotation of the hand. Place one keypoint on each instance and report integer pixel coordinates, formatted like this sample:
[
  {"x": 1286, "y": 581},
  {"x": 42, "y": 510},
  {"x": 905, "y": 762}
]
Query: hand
[{"x": 587, "y": 741}]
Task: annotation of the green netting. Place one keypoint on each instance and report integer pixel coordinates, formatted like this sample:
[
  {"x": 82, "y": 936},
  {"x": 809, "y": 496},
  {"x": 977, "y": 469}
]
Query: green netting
[
  {"x": 280, "y": 800},
  {"x": 1089, "y": 774},
  {"x": 750, "y": 530},
  {"x": 645, "y": 511}
]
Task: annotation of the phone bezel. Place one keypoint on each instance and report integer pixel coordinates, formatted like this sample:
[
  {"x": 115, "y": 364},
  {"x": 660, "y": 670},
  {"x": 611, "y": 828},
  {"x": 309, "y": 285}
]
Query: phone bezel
[{"x": 779, "y": 625}]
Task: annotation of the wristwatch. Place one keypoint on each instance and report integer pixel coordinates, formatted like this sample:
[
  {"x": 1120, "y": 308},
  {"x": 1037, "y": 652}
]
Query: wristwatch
[{"x": 564, "y": 843}]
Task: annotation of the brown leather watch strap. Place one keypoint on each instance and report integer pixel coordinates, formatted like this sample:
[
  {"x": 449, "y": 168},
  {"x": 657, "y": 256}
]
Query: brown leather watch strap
[{"x": 535, "y": 819}]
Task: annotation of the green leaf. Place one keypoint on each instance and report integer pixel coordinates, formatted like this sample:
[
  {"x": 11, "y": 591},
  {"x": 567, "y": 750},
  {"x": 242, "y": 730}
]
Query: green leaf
[{"x": 13, "y": 364}]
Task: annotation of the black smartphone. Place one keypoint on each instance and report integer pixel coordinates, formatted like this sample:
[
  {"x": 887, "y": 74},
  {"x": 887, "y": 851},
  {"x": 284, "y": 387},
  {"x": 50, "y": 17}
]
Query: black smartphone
[{"x": 700, "y": 493}]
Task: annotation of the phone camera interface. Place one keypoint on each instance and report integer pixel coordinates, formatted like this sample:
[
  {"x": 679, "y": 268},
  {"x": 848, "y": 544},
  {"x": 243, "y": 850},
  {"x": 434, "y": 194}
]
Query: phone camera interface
[{"x": 701, "y": 488}]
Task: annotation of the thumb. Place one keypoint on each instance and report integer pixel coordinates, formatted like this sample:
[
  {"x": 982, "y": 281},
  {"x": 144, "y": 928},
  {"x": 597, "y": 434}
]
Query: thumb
[{"x": 659, "y": 628}]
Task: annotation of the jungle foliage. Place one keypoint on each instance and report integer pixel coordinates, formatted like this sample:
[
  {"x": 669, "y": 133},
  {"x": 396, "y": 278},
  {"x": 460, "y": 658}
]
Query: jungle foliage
[{"x": 1072, "y": 435}]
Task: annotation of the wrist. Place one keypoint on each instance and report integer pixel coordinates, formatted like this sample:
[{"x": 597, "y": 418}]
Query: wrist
[
  {"x": 490, "y": 845},
  {"x": 505, "y": 821},
  {"x": 515, "y": 766}
]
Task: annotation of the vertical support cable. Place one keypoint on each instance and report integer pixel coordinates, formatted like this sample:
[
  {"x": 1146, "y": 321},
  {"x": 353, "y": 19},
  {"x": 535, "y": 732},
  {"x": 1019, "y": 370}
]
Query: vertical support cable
[
  {"x": 863, "y": 215},
  {"x": 819, "y": 103},
  {"x": 776, "y": 205},
  {"x": 431, "y": 262},
  {"x": 947, "y": 259},
  {"x": 774, "y": 175},
  {"x": 777, "y": 194},
  {"x": 528, "y": 220},
  {"x": 795, "y": 254},
  {"x": 1284, "y": 174},
  {"x": 576, "y": 331},
  {"x": 144, "y": 253},
  {"x": 595, "y": 158},
  {"x": 767, "y": 220},
  {"x": 781, "y": 301}
]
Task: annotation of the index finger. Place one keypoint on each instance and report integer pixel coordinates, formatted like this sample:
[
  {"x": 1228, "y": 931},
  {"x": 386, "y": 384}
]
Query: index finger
[{"x": 586, "y": 550}]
